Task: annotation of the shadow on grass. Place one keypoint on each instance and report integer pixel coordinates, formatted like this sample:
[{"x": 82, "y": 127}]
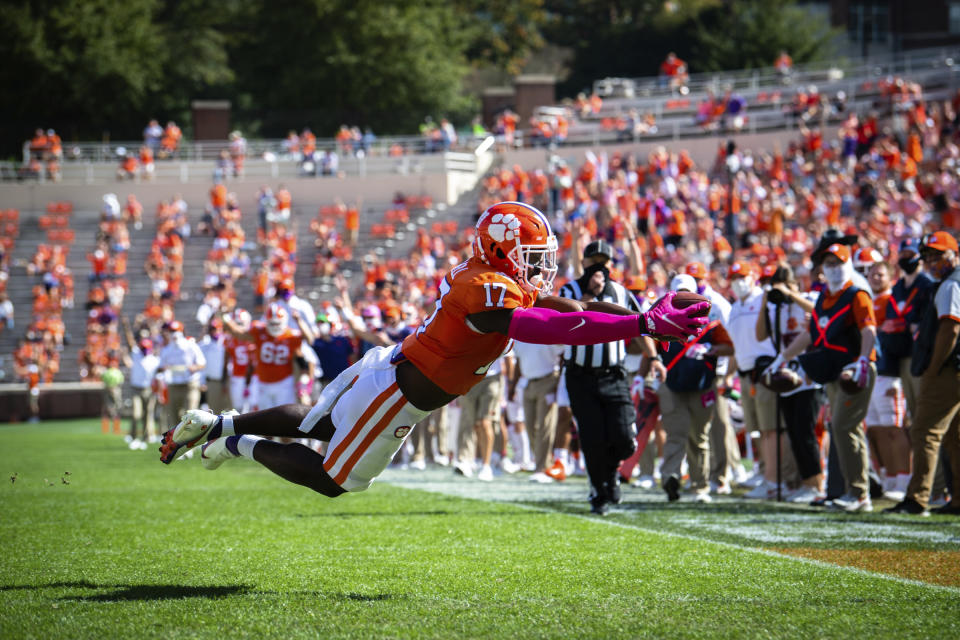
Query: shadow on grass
[
  {"x": 129, "y": 592},
  {"x": 157, "y": 592}
]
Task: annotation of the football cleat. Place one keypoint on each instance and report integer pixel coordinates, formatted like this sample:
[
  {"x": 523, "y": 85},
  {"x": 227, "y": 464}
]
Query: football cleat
[
  {"x": 194, "y": 426},
  {"x": 558, "y": 472},
  {"x": 214, "y": 453}
]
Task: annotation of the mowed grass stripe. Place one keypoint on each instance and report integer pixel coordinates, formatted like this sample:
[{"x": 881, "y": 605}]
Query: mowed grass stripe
[{"x": 241, "y": 553}]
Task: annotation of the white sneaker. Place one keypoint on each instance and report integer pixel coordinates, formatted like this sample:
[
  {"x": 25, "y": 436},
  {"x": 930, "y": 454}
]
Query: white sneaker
[
  {"x": 740, "y": 475},
  {"x": 753, "y": 481},
  {"x": 894, "y": 494},
  {"x": 214, "y": 453},
  {"x": 644, "y": 482},
  {"x": 464, "y": 469},
  {"x": 418, "y": 465},
  {"x": 541, "y": 478},
  {"x": 760, "y": 491},
  {"x": 702, "y": 496},
  {"x": 851, "y": 504},
  {"x": 134, "y": 445},
  {"x": 804, "y": 495},
  {"x": 509, "y": 466},
  {"x": 186, "y": 435},
  {"x": 485, "y": 474},
  {"x": 443, "y": 461},
  {"x": 529, "y": 465}
]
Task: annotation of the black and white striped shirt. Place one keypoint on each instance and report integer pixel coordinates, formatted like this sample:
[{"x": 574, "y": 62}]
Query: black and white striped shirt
[{"x": 609, "y": 354}]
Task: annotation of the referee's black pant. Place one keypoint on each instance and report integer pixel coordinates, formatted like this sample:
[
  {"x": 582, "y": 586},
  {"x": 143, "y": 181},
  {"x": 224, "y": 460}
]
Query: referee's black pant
[{"x": 600, "y": 401}]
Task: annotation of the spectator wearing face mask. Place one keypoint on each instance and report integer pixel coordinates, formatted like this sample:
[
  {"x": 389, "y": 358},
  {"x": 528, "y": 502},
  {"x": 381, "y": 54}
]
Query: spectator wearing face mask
[
  {"x": 686, "y": 402},
  {"x": 910, "y": 296},
  {"x": 722, "y": 436},
  {"x": 287, "y": 298},
  {"x": 183, "y": 362},
  {"x": 936, "y": 360},
  {"x": 759, "y": 403},
  {"x": 785, "y": 303},
  {"x": 841, "y": 335},
  {"x": 885, "y": 416}
]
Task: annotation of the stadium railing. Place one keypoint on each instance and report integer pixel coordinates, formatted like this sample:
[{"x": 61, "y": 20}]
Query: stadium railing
[{"x": 900, "y": 63}]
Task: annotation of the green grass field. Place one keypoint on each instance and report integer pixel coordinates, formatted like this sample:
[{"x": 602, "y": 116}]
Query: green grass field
[{"x": 130, "y": 548}]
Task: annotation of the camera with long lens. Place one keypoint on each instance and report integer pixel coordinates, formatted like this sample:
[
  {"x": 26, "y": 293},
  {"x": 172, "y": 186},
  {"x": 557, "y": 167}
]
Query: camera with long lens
[{"x": 781, "y": 275}]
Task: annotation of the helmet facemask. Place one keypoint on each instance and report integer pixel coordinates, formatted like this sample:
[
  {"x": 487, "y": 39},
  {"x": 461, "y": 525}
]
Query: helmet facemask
[{"x": 536, "y": 265}]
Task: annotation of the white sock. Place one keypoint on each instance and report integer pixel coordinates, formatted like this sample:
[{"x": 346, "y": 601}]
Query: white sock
[
  {"x": 525, "y": 455},
  {"x": 903, "y": 480},
  {"x": 560, "y": 454},
  {"x": 246, "y": 444},
  {"x": 516, "y": 443},
  {"x": 226, "y": 427}
]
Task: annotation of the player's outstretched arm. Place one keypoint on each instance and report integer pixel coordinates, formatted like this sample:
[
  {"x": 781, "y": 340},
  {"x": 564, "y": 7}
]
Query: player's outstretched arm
[{"x": 543, "y": 325}]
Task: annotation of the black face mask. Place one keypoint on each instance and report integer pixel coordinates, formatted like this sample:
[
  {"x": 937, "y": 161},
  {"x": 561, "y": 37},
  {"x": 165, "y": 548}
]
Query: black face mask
[
  {"x": 909, "y": 265},
  {"x": 588, "y": 272}
]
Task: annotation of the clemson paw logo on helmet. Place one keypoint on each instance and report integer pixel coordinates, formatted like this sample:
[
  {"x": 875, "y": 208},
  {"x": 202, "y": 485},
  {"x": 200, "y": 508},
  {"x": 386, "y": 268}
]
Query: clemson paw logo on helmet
[{"x": 503, "y": 227}]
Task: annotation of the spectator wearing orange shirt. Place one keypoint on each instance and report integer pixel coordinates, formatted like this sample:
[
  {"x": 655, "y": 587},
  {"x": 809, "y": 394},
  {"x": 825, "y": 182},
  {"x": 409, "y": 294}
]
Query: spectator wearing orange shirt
[
  {"x": 170, "y": 141},
  {"x": 128, "y": 168},
  {"x": 673, "y": 72},
  {"x": 352, "y": 225},
  {"x": 783, "y": 64}
]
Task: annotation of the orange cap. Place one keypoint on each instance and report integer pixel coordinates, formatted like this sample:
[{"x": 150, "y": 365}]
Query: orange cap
[
  {"x": 741, "y": 268},
  {"x": 940, "y": 241},
  {"x": 635, "y": 283},
  {"x": 697, "y": 270},
  {"x": 842, "y": 251}
]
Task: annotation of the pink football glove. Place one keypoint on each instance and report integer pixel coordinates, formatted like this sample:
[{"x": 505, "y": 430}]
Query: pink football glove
[
  {"x": 861, "y": 371},
  {"x": 664, "y": 321}
]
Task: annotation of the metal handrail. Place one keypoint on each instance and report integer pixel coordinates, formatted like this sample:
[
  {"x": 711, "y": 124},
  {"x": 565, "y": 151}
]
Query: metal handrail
[
  {"x": 197, "y": 150},
  {"x": 871, "y": 66}
]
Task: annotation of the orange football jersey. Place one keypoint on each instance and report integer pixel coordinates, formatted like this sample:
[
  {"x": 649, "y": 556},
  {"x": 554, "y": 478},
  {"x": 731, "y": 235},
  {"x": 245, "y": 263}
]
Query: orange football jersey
[
  {"x": 239, "y": 352},
  {"x": 274, "y": 356},
  {"x": 445, "y": 349}
]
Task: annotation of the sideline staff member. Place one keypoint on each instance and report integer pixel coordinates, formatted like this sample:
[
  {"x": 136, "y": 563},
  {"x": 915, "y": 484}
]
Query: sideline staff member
[
  {"x": 936, "y": 359},
  {"x": 842, "y": 333},
  {"x": 597, "y": 383}
]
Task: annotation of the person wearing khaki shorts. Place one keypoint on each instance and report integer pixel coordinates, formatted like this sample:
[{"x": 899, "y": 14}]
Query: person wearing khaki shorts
[{"x": 479, "y": 409}]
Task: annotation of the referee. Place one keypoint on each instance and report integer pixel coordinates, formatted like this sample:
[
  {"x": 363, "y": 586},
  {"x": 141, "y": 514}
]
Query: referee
[{"x": 597, "y": 384}]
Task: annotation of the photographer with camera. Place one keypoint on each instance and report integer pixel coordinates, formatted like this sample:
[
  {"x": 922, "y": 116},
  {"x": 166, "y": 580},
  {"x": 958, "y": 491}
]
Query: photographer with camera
[
  {"x": 787, "y": 310},
  {"x": 758, "y": 402}
]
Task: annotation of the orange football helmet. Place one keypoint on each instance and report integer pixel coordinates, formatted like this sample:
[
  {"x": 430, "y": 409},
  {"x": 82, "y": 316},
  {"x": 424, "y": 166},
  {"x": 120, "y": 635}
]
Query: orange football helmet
[{"x": 516, "y": 239}]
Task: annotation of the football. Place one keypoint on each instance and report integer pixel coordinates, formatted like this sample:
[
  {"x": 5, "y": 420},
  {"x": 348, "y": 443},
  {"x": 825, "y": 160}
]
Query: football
[
  {"x": 782, "y": 381},
  {"x": 684, "y": 299},
  {"x": 847, "y": 383}
]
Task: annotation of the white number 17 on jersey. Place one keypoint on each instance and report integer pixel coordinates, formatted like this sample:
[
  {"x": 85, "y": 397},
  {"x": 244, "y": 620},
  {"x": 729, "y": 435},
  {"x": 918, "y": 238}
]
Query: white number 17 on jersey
[{"x": 489, "y": 287}]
